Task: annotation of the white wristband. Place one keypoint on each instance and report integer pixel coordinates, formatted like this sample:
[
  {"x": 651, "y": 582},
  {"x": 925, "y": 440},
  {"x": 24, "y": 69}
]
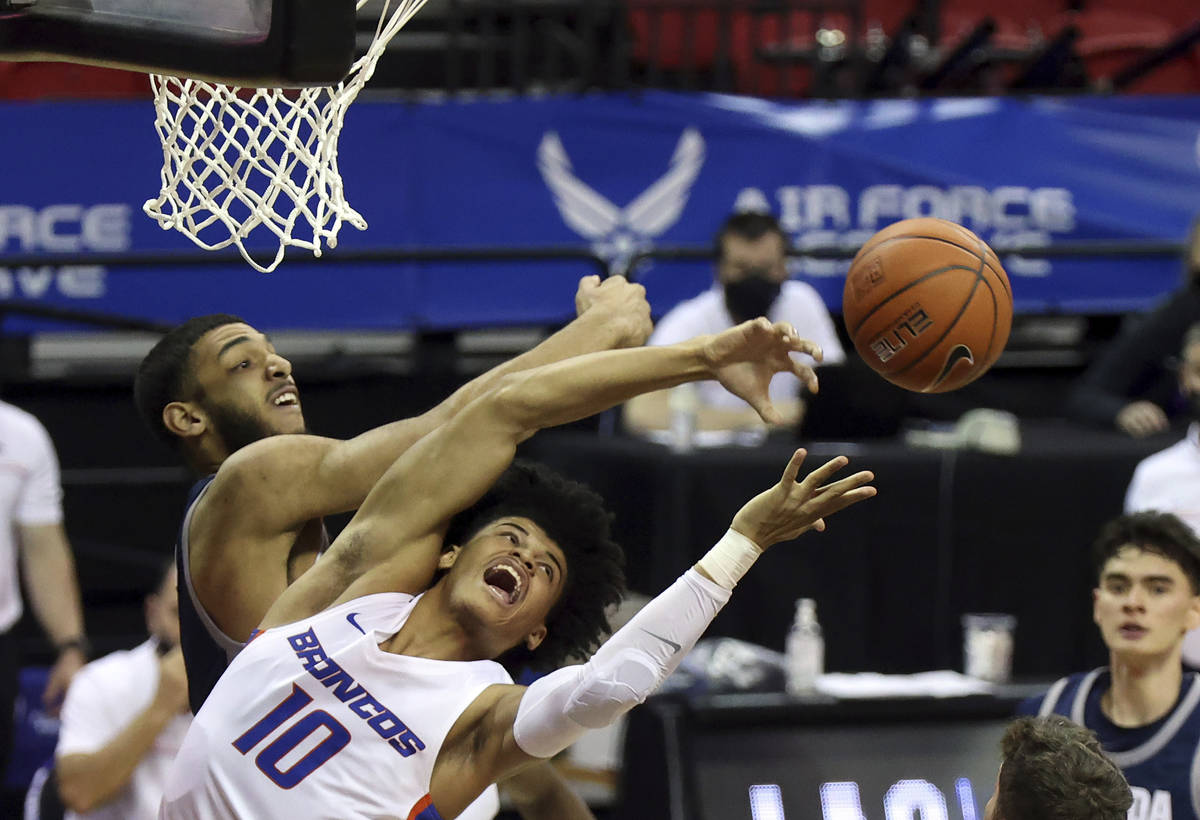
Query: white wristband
[{"x": 729, "y": 559}]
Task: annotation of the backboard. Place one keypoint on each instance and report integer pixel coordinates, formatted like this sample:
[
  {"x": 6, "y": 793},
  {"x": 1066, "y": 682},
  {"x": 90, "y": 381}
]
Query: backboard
[{"x": 266, "y": 43}]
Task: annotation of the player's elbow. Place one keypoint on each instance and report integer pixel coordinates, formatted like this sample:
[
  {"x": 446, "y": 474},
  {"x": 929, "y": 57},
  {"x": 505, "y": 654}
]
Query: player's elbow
[
  {"x": 613, "y": 687},
  {"x": 78, "y": 791},
  {"x": 512, "y": 402}
]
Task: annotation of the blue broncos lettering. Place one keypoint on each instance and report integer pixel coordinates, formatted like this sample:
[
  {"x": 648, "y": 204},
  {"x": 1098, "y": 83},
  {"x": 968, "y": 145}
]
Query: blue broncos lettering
[{"x": 343, "y": 686}]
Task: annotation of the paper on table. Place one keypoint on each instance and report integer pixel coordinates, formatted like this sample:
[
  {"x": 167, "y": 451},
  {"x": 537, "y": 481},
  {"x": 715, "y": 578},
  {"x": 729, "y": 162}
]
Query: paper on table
[{"x": 943, "y": 683}]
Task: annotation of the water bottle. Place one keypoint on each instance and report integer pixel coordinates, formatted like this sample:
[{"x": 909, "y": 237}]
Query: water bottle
[
  {"x": 683, "y": 404},
  {"x": 805, "y": 650}
]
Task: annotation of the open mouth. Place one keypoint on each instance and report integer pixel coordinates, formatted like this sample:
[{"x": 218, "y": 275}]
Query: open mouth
[
  {"x": 288, "y": 397},
  {"x": 504, "y": 581},
  {"x": 1132, "y": 631}
]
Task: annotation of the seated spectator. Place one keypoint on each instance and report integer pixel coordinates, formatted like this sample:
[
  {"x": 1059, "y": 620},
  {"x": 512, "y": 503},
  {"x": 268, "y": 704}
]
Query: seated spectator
[
  {"x": 1169, "y": 480},
  {"x": 1130, "y": 386},
  {"x": 1143, "y": 706},
  {"x": 124, "y": 718},
  {"x": 751, "y": 281},
  {"x": 1055, "y": 770}
]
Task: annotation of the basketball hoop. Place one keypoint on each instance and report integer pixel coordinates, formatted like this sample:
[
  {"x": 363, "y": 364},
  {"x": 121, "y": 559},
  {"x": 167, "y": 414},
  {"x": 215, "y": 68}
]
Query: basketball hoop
[{"x": 239, "y": 159}]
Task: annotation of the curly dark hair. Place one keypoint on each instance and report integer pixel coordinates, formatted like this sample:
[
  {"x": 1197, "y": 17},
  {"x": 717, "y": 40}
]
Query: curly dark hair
[
  {"x": 574, "y": 516},
  {"x": 1160, "y": 533},
  {"x": 163, "y": 375},
  {"x": 1055, "y": 770}
]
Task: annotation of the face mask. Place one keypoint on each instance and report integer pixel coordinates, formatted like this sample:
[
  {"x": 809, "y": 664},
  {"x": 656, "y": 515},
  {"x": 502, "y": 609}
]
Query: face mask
[{"x": 751, "y": 296}]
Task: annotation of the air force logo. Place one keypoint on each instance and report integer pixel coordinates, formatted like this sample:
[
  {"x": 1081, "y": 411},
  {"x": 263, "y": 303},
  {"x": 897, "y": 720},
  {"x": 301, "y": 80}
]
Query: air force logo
[{"x": 619, "y": 233}]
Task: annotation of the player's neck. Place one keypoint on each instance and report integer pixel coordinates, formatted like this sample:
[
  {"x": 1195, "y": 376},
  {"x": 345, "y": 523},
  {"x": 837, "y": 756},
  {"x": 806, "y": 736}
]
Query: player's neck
[
  {"x": 429, "y": 633},
  {"x": 1143, "y": 689},
  {"x": 206, "y": 457}
]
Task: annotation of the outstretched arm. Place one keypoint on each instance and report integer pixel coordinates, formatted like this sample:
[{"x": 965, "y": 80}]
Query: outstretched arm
[
  {"x": 245, "y": 529},
  {"x": 511, "y": 726},
  {"x": 337, "y": 475},
  {"x": 396, "y": 534}
]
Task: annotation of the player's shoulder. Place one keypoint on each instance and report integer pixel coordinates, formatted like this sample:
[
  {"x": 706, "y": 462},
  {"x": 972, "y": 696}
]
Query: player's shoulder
[
  {"x": 1058, "y": 695},
  {"x": 262, "y": 465},
  {"x": 374, "y": 602},
  {"x": 1182, "y": 451},
  {"x": 273, "y": 449},
  {"x": 20, "y": 427},
  {"x": 381, "y": 611}
]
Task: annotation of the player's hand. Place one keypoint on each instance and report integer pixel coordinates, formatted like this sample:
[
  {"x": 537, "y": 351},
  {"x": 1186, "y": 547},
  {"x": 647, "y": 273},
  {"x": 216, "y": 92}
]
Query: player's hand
[
  {"x": 1142, "y": 418},
  {"x": 619, "y": 304},
  {"x": 793, "y": 507},
  {"x": 172, "y": 693},
  {"x": 70, "y": 661},
  {"x": 744, "y": 358}
]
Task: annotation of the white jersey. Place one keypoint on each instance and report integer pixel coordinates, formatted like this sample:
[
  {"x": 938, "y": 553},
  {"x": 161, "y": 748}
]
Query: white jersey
[
  {"x": 30, "y": 495},
  {"x": 104, "y": 698},
  {"x": 314, "y": 720}
]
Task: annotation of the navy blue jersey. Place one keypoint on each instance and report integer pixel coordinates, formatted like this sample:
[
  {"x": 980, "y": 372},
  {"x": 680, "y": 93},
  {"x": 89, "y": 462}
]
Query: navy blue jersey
[
  {"x": 206, "y": 649},
  {"x": 1160, "y": 760}
]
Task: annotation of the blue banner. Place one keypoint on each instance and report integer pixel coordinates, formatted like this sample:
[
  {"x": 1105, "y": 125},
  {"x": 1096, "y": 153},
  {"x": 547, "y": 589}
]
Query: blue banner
[{"x": 617, "y": 174}]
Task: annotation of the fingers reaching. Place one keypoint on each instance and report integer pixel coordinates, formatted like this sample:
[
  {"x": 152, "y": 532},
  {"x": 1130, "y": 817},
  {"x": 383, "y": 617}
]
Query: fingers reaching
[
  {"x": 765, "y": 409},
  {"x": 793, "y": 466},
  {"x": 840, "y": 502},
  {"x": 822, "y": 475},
  {"x": 793, "y": 507},
  {"x": 807, "y": 376},
  {"x": 798, "y": 344}
]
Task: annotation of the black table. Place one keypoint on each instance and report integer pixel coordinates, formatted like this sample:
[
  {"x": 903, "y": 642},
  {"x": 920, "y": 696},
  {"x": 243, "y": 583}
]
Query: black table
[{"x": 709, "y": 757}]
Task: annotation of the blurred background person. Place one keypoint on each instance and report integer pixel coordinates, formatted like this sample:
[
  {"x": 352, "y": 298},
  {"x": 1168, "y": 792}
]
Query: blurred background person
[
  {"x": 31, "y": 502},
  {"x": 123, "y": 720},
  {"x": 1143, "y": 705},
  {"x": 751, "y": 281},
  {"x": 1169, "y": 480},
  {"x": 1130, "y": 385}
]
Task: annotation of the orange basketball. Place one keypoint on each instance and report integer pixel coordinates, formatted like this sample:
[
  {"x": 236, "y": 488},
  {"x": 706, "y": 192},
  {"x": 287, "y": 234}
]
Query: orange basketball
[{"x": 927, "y": 305}]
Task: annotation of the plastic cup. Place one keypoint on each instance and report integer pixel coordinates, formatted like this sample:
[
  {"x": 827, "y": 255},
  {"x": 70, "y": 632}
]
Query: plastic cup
[{"x": 988, "y": 645}]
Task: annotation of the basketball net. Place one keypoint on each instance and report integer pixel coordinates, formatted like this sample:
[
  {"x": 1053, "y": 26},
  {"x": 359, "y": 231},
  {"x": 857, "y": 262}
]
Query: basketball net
[{"x": 236, "y": 160}]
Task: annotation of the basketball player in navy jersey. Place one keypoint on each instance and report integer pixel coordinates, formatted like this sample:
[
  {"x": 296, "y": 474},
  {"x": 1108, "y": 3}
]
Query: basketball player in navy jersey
[
  {"x": 1143, "y": 706},
  {"x": 387, "y": 703},
  {"x": 216, "y": 390}
]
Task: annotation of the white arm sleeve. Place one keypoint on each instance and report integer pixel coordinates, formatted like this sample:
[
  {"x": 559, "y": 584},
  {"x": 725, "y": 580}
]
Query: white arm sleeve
[{"x": 560, "y": 707}]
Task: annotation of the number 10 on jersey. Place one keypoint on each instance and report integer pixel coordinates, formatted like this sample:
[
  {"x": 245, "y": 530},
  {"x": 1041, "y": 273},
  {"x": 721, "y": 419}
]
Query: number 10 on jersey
[{"x": 269, "y": 758}]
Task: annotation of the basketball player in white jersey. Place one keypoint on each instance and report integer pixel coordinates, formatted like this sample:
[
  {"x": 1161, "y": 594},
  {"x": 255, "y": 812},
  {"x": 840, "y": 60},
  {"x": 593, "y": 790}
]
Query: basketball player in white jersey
[
  {"x": 215, "y": 389},
  {"x": 388, "y": 705}
]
